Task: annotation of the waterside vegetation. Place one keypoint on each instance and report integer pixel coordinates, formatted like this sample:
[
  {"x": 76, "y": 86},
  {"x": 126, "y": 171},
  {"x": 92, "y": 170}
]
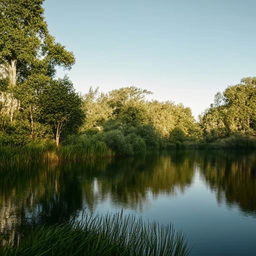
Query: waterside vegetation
[
  {"x": 114, "y": 235},
  {"x": 43, "y": 118},
  {"x": 38, "y": 108}
]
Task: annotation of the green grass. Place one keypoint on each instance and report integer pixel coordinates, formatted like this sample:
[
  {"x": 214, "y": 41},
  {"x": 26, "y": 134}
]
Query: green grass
[
  {"x": 13, "y": 156},
  {"x": 110, "y": 235},
  {"x": 10, "y": 155},
  {"x": 80, "y": 152}
]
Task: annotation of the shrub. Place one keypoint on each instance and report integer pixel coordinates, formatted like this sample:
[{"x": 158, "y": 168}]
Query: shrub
[
  {"x": 150, "y": 136},
  {"x": 137, "y": 143},
  {"x": 237, "y": 141},
  {"x": 177, "y": 135},
  {"x": 117, "y": 142}
]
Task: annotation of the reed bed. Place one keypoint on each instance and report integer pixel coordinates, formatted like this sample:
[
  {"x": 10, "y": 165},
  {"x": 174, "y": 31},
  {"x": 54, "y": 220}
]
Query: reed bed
[
  {"x": 83, "y": 152},
  {"x": 109, "y": 235},
  {"x": 10, "y": 155}
]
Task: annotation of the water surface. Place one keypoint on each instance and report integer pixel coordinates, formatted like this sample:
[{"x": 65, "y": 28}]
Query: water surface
[{"x": 209, "y": 196}]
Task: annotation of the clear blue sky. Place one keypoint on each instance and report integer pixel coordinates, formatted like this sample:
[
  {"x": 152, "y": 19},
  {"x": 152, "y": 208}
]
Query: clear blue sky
[{"x": 182, "y": 50}]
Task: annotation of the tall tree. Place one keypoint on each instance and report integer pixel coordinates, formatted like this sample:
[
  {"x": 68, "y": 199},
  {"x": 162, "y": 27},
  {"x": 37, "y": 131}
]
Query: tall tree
[
  {"x": 61, "y": 107},
  {"x": 26, "y": 47}
]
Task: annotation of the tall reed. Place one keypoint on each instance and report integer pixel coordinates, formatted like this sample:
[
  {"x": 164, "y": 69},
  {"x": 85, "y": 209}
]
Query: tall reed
[
  {"x": 109, "y": 235},
  {"x": 81, "y": 151}
]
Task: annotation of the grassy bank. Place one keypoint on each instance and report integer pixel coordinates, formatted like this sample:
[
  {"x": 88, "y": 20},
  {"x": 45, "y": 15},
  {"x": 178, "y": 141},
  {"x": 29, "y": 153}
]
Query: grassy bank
[
  {"x": 86, "y": 147},
  {"x": 111, "y": 235}
]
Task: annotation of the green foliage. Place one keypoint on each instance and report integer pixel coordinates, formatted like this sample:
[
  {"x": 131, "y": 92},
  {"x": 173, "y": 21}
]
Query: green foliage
[
  {"x": 60, "y": 106},
  {"x": 34, "y": 106},
  {"x": 234, "y": 112},
  {"x": 150, "y": 136},
  {"x": 29, "y": 56},
  {"x": 116, "y": 140},
  {"x": 3, "y": 84},
  {"x": 16, "y": 133},
  {"x": 177, "y": 136},
  {"x": 133, "y": 125},
  {"x": 14, "y": 157},
  {"x": 133, "y": 114},
  {"x": 108, "y": 235},
  {"x": 137, "y": 143},
  {"x": 96, "y": 110},
  {"x": 25, "y": 41},
  {"x": 236, "y": 141},
  {"x": 84, "y": 146},
  {"x": 117, "y": 99}
]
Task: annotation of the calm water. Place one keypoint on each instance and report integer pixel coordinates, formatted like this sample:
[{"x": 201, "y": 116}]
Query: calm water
[{"x": 209, "y": 196}]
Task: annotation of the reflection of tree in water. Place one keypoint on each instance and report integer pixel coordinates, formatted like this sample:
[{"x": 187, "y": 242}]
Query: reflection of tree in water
[
  {"x": 232, "y": 175},
  {"x": 20, "y": 190},
  {"x": 33, "y": 195},
  {"x": 60, "y": 206},
  {"x": 128, "y": 182},
  {"x": 52, "y": 193},
  {"x": 39, "y": 193}
]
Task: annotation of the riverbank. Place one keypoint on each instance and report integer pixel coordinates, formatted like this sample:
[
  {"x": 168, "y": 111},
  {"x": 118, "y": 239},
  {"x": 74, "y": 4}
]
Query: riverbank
[{"x": 89, "y": 148}]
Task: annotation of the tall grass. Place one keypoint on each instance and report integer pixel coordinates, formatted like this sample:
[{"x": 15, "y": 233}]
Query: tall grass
[
  {"x": 82, "y": 152},
  {"x": 10, "y": 155},
  {"x": 84, "y": 147},
  {"x": 33, "y": 153},
  {"x": 110, "y": 235}
]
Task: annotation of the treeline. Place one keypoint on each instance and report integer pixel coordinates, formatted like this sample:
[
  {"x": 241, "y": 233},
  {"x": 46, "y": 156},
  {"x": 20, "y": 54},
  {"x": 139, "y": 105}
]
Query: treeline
[
  {"x": 232, "y": 113},
  {"x": 128, "y": 124},
  {"x": 36, "y": 108}
]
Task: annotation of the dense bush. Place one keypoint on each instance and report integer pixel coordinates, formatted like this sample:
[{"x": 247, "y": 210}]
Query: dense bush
[
  {"x": 236, "y": 141},
  {"x": 177, "y": 136},
  {"x": 150, "y": 136},
  {"x": 116, "y": 140},
  {"x": 138, "y": 145}
]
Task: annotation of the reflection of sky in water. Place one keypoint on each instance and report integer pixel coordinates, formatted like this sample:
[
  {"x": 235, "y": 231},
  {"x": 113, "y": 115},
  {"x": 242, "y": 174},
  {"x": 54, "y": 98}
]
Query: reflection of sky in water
[{"x": 206, "y": 223}]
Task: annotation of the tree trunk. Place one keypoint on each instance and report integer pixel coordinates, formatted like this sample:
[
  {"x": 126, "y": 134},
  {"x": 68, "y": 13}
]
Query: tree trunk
[
  {"x": 12, "y": 75},
  {"x": 58, "y": 132},
  {"x": 31, "y": 121},
  {"x": 57, "y": 140}
]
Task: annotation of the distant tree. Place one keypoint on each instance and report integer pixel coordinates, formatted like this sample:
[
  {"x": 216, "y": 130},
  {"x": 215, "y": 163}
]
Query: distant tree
[
  {"x": 219, "y": 99},
  {"x": 96, "y": 110},
  {"x": 126, "y": 109},
  {"x": 119, "y": 97},
  {"x": 234, "y": 111},
  {"x": 133, "y": 113}
]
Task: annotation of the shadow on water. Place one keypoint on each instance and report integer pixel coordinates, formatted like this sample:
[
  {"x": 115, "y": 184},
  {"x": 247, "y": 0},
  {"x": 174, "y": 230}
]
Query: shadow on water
[{"x": 53, "y": 192}]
